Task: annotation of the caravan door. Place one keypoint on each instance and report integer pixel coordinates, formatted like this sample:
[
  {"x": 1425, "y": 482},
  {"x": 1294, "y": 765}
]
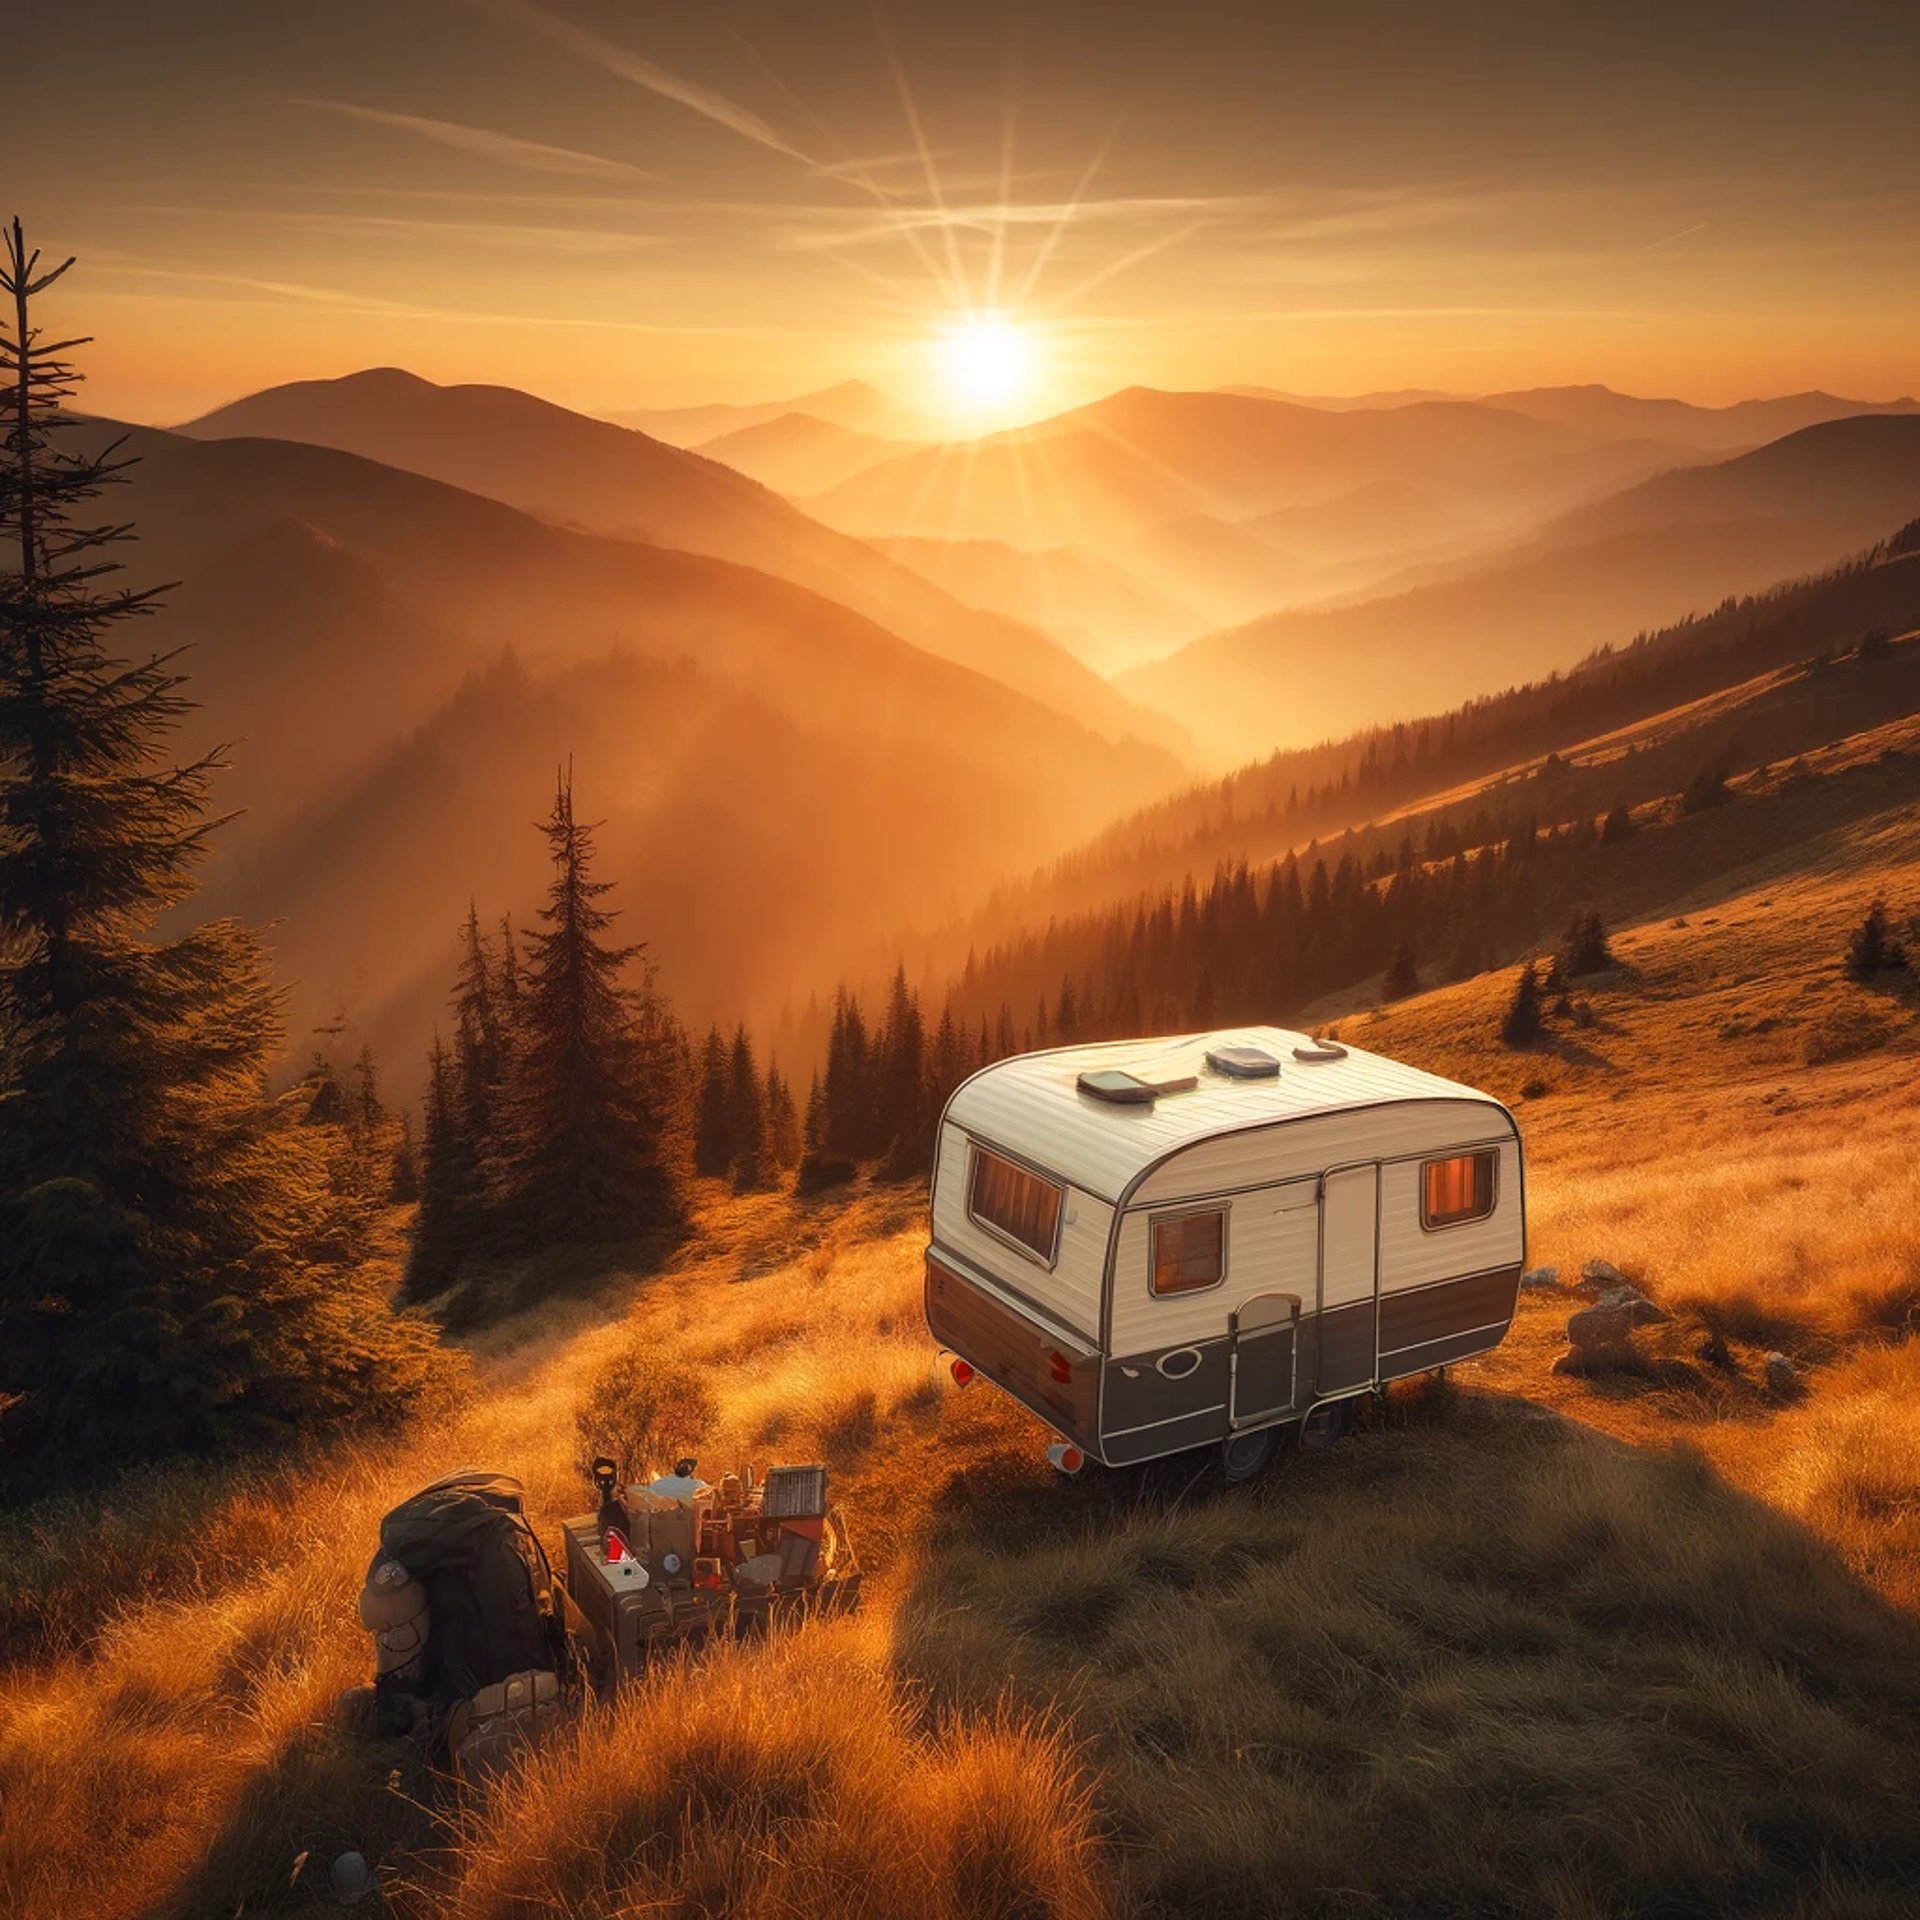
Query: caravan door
[
  {"x": 1344, "y": 1347},
  {"x": 1264, "y": 1358}
]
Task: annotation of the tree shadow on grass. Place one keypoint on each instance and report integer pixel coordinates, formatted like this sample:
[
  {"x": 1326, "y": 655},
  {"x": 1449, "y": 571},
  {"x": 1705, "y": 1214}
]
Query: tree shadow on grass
[
  {"x": 499, "y": 1290},
  {"x": 327, "y": 1792},
  {"x": 1477, "y": 1659}
]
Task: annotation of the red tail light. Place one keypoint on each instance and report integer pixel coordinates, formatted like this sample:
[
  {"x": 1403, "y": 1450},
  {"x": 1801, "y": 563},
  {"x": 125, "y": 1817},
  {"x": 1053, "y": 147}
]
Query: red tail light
[
  {"x": 1060, "y": 1367},
  {"x": 962, "y": 1371},
  {"x": 1066, "y": 1456},
  {"x": 617, "y": 1548}
]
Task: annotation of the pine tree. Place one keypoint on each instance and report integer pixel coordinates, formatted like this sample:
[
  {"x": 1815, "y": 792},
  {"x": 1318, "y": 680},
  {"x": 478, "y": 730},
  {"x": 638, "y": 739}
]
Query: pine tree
[
  {"x": 1523, "y": 1024},
  {"x": 403, "y": 1186},
  {"x": 369, "y": 1166},
  {"x": 327, "y": 1102},
  {"x": 1619, "y": 824},
  {"x": 1585, "y": 949},
  {"x": 167, "y": 1233},
  {"x": 441, "y": 1230},
  {"x": 746, "y": 1117},
  {"x": 1871, "y": 948},
  {"x": 591, "y": 1149},
  {"x": 848, "y": 1091},
  {"x": 902, "y": 1092},
  {"x": 509, "y": 982},
  {"x": 479, "y": 1057},
  {"x": 1402, "y": 977},
  {"x": 1707, "y": 789},
  {"x": 713, "y": 1148},
  {"x": 783, "y": 1121}
]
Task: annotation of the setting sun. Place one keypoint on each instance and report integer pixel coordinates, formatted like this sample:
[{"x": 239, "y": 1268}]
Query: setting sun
[{"x": 985, "y": 360}]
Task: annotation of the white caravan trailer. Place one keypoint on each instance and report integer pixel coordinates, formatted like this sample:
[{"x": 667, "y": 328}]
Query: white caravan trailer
[{"x": 1161, "y": 1244}]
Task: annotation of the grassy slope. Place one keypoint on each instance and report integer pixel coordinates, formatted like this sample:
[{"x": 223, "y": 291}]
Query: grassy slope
[{"x": 1525, "y": 1645}]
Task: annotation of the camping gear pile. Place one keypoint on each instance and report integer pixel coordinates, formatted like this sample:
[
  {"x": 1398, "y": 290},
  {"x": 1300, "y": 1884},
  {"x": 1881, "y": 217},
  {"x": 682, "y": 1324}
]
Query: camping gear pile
[
  {"x": 478, "y": 1642},
  {"x": 677, "y": 1558}
]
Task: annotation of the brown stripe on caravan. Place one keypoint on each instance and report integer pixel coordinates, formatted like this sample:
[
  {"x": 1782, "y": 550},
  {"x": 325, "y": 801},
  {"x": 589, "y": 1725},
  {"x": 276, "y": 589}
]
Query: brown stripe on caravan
[
  {"x": 1343, "y": 1354},
  {"x": 1442, "y": 1310},
  {"x": 1138, "y": 1394},
  {"x": 1201, "y": 1429},
  {"x": 1441, "y": 1353},
  {"x": 1016, "y": 1355}
]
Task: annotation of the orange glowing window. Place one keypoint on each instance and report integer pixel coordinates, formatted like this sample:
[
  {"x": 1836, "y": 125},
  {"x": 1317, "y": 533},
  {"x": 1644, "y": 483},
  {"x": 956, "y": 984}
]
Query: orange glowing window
[
  {"x": 1452, "y": 1192},
  {"x": 1189, "y": 1252},
  {"x": 1022, "y": 1205}
]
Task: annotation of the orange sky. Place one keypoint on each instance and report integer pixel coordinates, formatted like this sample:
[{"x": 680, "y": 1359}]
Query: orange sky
[{"x": 619, "y": 205}]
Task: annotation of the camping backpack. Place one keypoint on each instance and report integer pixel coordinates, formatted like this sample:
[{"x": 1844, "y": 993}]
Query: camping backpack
[{"x": 458, "y": 1595}]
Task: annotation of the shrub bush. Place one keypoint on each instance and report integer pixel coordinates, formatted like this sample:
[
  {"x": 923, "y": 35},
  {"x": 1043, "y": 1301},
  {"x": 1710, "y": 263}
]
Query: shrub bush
[{"x": 642, "y": 1410}]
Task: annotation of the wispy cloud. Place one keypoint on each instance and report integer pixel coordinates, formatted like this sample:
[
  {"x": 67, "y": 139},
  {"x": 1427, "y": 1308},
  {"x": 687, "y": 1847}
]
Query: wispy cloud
[
  {"x": 657, "y": 79},
  {"x": 531, "y": 238},
  {"x": 178, "y": 283},
  {"x": 1685, "y": 233},
  {"x": 488, "y": 144},
  {"x": 841, "y": 227}
]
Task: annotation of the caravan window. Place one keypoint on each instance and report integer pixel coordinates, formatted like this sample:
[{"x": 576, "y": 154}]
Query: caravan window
[
  {"x": 1012, "y": 1200},
  {"x": 1189, "y": 1251},
  {"x": 1454, "y": 1191}
]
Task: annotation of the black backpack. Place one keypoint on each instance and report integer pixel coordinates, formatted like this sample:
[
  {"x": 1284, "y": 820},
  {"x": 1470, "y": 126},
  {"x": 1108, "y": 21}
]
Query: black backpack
[{"x": 467, "y": 1541}]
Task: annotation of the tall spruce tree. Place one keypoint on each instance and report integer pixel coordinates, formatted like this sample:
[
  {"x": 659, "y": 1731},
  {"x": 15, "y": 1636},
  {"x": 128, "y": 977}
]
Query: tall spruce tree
[
  {"x": 1872, "y": 948},
  {"x": 440, "y": 1230},
  {"x": 1402, "y": 975},
  {"x": 1524, "y": 1024},
  {"x": 164, "y": 1226},
  {"x": 902, "y": 1090},
  {"x": 746, "y": 1114},
  {"x": 713, "y": 1115},
  {"x": 591, "y": 1143},
  {"x": 403, "y": 1183},
  {"x": 783, "y": 1120},
  {"x": 508, "y": 989}
]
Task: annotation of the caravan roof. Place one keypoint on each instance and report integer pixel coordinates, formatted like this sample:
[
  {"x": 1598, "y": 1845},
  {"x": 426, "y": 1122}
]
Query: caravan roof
[{"x": 1034, "y": 1105}]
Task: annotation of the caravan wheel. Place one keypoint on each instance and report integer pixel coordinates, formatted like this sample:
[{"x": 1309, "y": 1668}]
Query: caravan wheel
[
  {"x": 1326, "y": 1423},
  {"x": 1244, "y": 1455}
]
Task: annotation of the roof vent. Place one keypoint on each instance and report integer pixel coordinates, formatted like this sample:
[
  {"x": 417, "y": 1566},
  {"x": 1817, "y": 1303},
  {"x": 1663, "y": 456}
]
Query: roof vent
[
  {"x": 1128, "y": 1089},
  {"x": 1320, "y": 1050},
  {"x": 1243, "y": 1063}
]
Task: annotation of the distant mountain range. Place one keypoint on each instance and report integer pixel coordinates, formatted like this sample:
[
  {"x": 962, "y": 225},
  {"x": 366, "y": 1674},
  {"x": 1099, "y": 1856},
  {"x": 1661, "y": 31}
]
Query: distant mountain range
[
  {"x": 853, "y": 404},
  {"x": 406, "y": 601},
  {"x": 1676, "y": 543},
  {"x": 798, "y": 453},
  {"x": 1152, "y": 480},
  {"x": 333, "y": 608},
  {"x": 1244, "y": 501},
  {"x": 574, "y": 470},
  {"x": 1600, "y": 410}
]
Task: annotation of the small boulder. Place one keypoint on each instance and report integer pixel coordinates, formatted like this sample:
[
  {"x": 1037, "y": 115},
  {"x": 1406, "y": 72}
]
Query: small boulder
[
  {"x": 1783, "y": 1377},
  {"x": 1600, "y": 1340},
  {"x": 1633, "y": 1303},
  {"x": 1602, "y": 1273},
  {"x": 1540, "y": 1277}
]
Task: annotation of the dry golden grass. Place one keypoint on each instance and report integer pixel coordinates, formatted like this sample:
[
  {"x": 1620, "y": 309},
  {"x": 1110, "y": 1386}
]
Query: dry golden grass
[
  {"x": 1470, "y": 1664},
  {"x": 1507, "y": 1652},
  {"x": 792, "y": 1778}
]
